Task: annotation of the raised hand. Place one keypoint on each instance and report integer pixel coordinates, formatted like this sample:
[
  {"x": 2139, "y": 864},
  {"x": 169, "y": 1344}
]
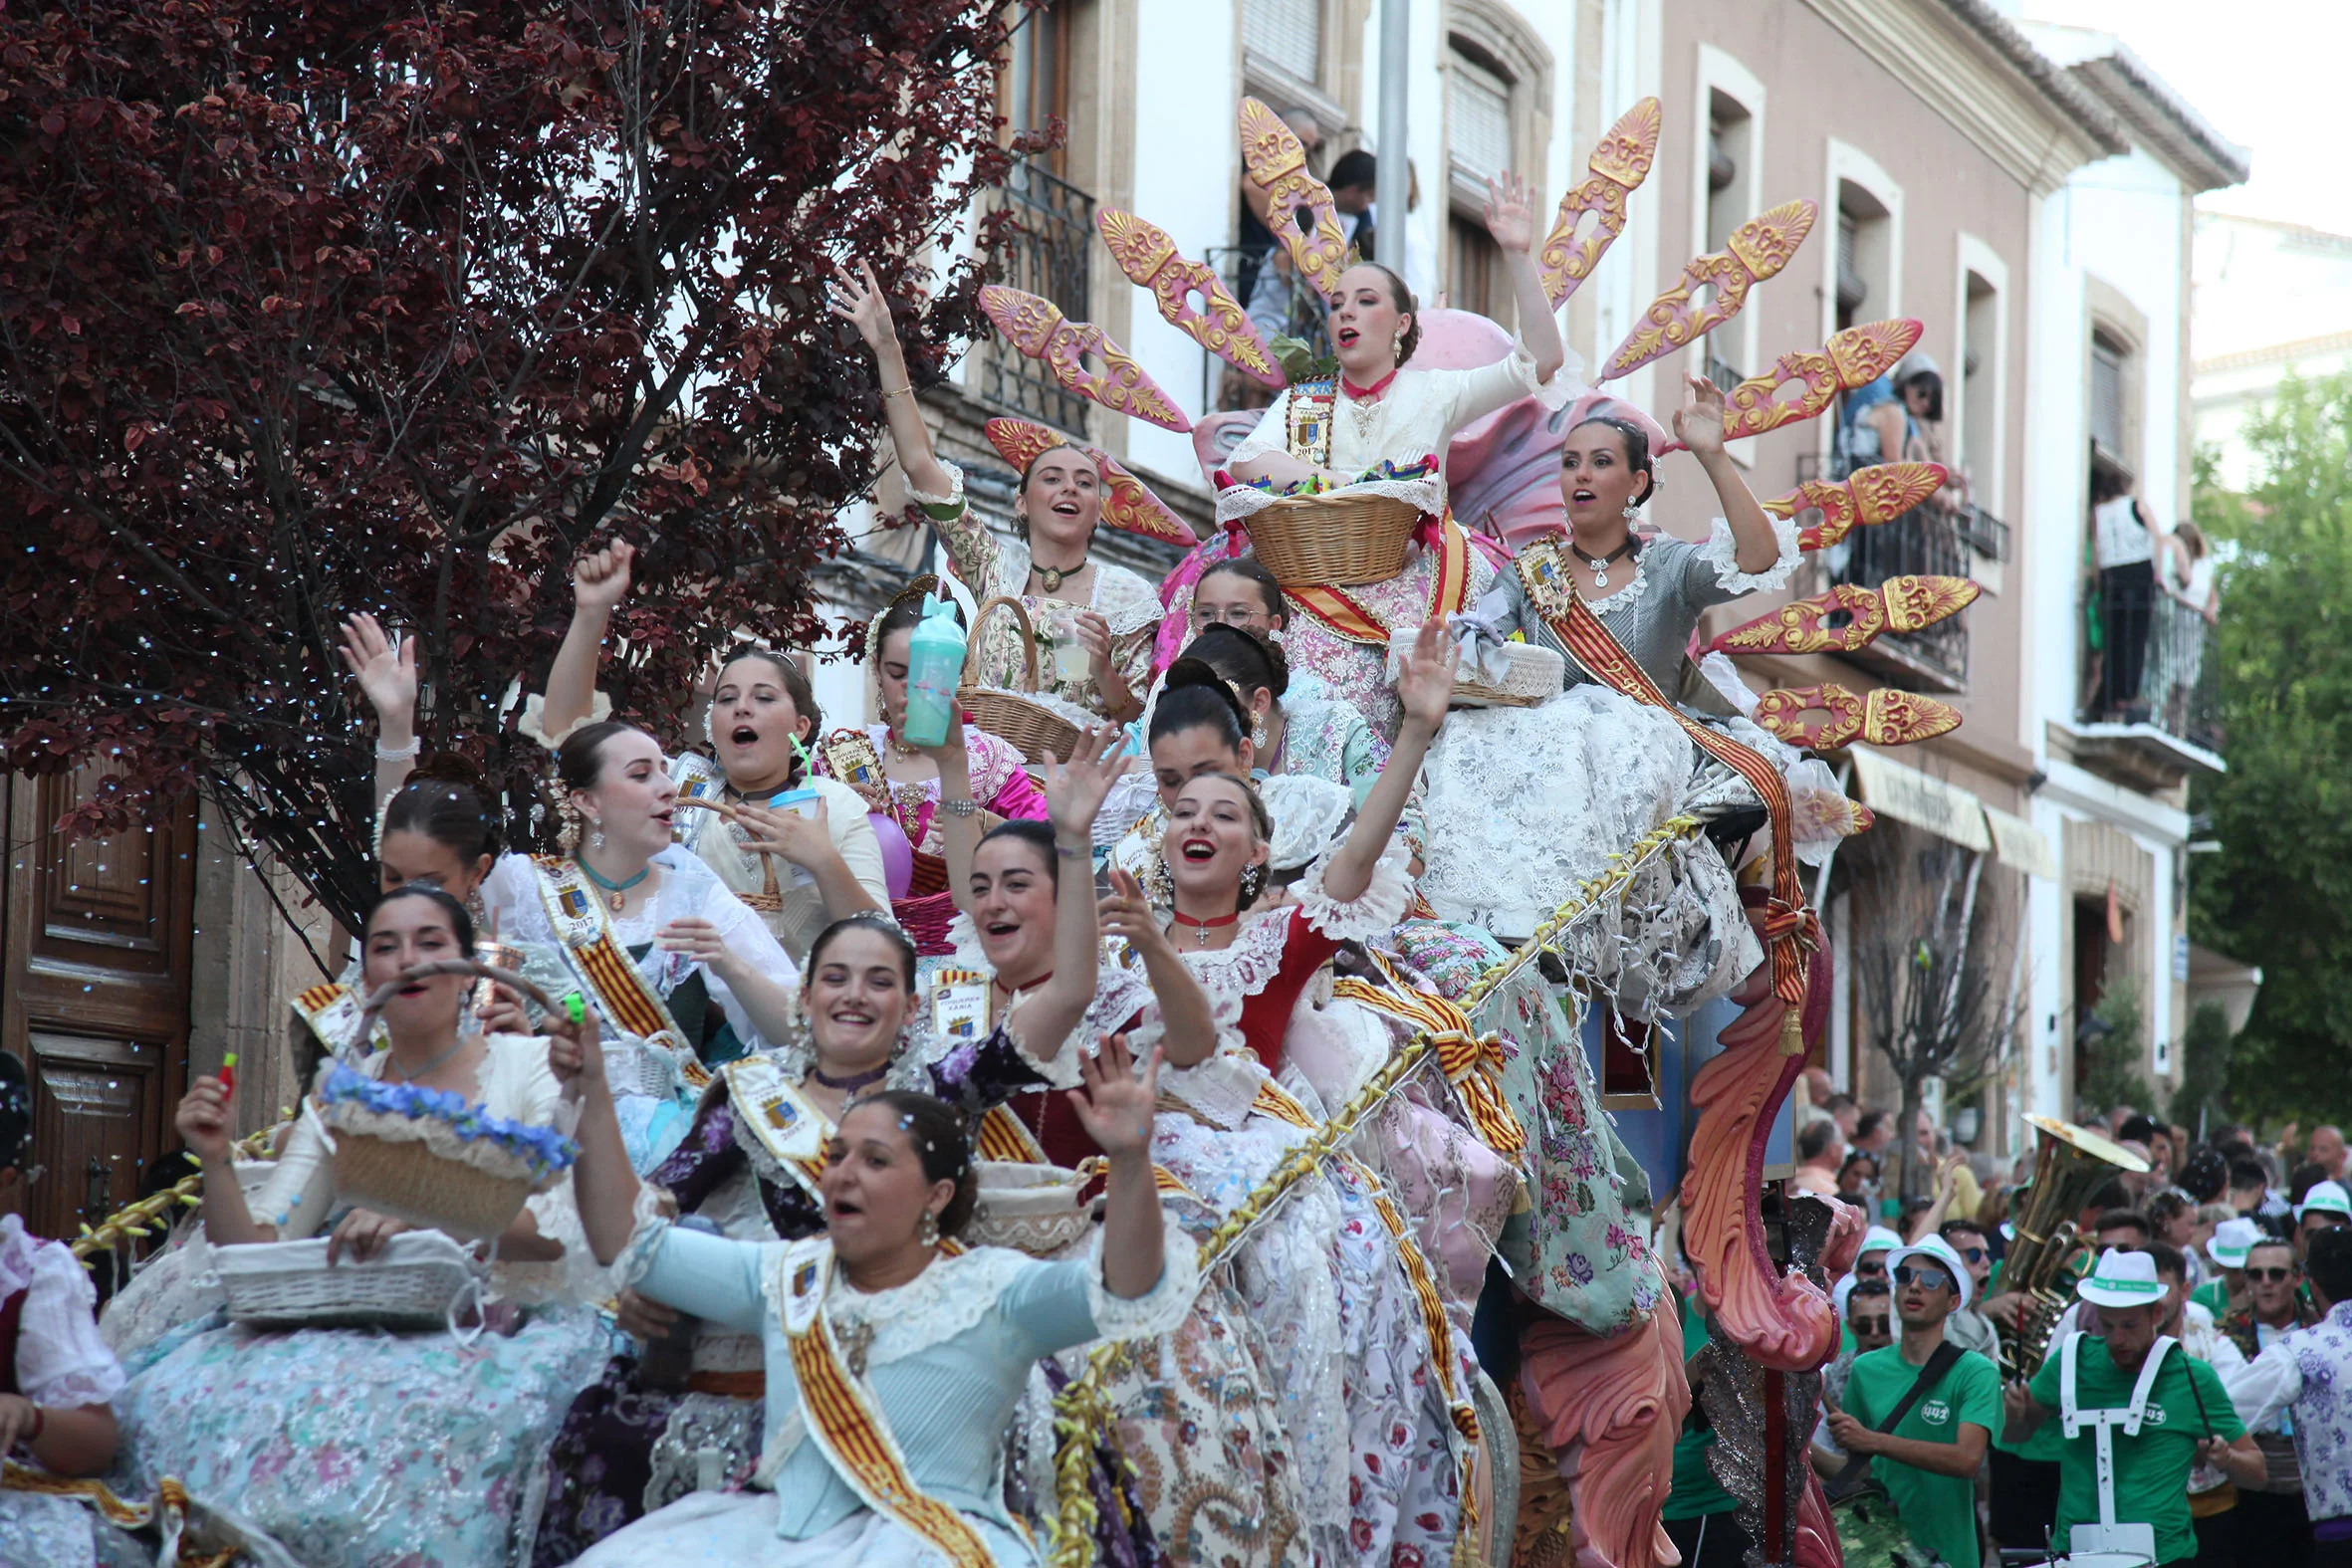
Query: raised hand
[
  {"x": 700, "y": 941},
  {"x": 1511, "y": 213},
  {"x": 1074, "y": 789},
  {"x": 1698, "y": 423},
  {"x": 503, "y": 1013},
  {"x": 860, "y": 301},
  {"x": 600, "y": 579},
  {"x": 1425, "y": 685},
  {"x": 386, "y": 674},
  {"x": 1127, "y": 914},
  {"x": 1113, "y": 1102},
  {"x": 203, "y": 1120},
  {"x": 799, "y": 839}
]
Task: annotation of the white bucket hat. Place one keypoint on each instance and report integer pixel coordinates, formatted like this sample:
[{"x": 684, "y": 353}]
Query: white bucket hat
[
  {"x": 2231, "y": 1240},
  {"x": 1878, "y": 1239},
  {"x": 1938, "y": 1251},
  {"x": 2327, "y": 1198},
  {"x": 2121, "y": 1279}
]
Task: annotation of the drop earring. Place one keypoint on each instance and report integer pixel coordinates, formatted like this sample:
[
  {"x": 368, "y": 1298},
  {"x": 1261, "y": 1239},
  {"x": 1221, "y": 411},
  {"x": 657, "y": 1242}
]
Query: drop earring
[
  {"x": 1257, "y": 730},
  {"x": 928, "y": 1235},
  {"x": 595, "y": 835},
  {"x": 1632, "y": 510}
]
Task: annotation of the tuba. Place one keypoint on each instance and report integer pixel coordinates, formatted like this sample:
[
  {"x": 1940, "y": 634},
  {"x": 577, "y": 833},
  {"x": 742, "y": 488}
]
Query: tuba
[{"x": 2071, "y": 1164}]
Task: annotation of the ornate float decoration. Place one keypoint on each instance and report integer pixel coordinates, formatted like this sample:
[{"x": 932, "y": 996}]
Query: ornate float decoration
[
  {"x": 1275, "y": 160},
  {"x": 1900, "y": 605},
  {"x": 1851, "y": 359},
  {"x": 1039, "y": 329},
  {"x": 1757, "y": 251},
  {"x": 1150, "y": 259},
  {"x": 1884, "y": 718},
  {"x": 1616, "y": 169},
  {"x": 1872, "y": 496}
]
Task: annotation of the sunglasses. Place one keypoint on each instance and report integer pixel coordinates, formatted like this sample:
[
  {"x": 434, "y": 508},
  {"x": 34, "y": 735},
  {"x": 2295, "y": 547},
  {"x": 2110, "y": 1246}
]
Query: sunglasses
[
  {"x": 1873, "y": 1325},
  {"x": 1934, "y": 1278},
  {"x": 2272, "y": 1275},
  {"x": 1971, "y": 1254}
]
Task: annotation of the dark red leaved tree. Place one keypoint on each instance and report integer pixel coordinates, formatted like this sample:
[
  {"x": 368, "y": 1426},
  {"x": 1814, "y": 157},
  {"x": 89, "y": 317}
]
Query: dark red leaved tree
[{"x": 315, "y": 306}]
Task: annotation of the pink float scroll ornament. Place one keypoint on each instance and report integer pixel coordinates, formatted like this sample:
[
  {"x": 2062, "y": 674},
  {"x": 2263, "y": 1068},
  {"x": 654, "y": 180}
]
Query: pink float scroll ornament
[
  {"x": 1851, "y": 359},
  {"x": 1127, "y": 502},
  {"x": 1874, "y": 495},
  {"x": 1609, "y": 1410},
  {"x": 1756, "y": 250},
  {"x": 1275, "y": 160},
  {"x": 1616, "y": 168},
  {"x": 1039, "y": 329},
  {"x": 1150, "y": 259},
  {"x": 1884, "y": 718},
  {"x": 1900, "y": 605}
]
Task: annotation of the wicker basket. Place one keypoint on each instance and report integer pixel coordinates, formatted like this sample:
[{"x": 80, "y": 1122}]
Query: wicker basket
[
  {"x": 1039, "y": 731},
  {"x": 414, "y": 1282},
  {"x": 1334, "y": 540},
  {"x": 1534, "y": 676},
  {"x": 406, "y": 1179},
  {"x": 1034, "y": 1209}
]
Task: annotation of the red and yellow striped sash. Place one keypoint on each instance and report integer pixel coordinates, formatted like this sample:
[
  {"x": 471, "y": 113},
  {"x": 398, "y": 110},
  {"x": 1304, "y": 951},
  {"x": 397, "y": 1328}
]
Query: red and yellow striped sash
[
  {"x": 1449, "y": 590},
  {"x": 1788, "y": 923},
  {"x": 1470, "y": 1064},
  {"x": 852, "y": 1431},
  {"x": 620, "y": 992}
]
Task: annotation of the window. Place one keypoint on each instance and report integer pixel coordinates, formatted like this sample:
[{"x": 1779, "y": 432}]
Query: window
[
  {"x": 1979, "y": 390},
  {"x": 1035, "y": 85},
  {"x": 1478, "y": 136},
  {"x": 1477, "y": 121},
  {"x": 1864, "y": 256},
  {"x": 2106, "y": 395},
  {"x": 1730, "y": 178},
  {"x": 1287, "y": 35}
]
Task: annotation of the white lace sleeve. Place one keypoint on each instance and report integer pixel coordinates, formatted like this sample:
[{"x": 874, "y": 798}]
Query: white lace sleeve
[
  {"x": 61, "y": 1361},
  {"x": 1721, "y": 554},
  {"x": 533, "y": 725},
  {"x": 1159, "y": 1310},
  {"x": 1220, "y": 1089},
  {"x": 952, "y": 502},
  {"x": 647, "y": 1230},
  {"x": 1371, "y": 914},
  {"x": 1271, "y": 434},
  {"x": 1060, "y": 1069}
]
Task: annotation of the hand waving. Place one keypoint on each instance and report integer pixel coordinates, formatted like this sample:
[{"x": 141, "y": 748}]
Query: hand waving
[
  {"x": 1698, "y": 423},
  {"x": 1113, "y": 1102},
  {"x": 1074, "y": 789},
  {"x": 600, "y": 579},
  {"x": 386, "y": 674},
  {"x": 1426, "y": 683},
  {"x": 1511, "y": 213},
  {"x": 860, "y": 301}
]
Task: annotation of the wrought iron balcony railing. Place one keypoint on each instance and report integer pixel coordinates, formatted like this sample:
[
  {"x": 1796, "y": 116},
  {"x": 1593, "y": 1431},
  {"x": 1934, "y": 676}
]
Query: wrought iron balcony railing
[
  {"x": 1922, "y": 542},
  {"x": 1045, "y": 255}
]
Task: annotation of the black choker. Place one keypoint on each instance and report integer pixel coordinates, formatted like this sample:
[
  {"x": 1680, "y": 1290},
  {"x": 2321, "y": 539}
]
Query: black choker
[{"x": 852, "y": 1083}]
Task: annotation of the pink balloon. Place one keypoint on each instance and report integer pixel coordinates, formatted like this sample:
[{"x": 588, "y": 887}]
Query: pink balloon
[{"x": 898, "y": 856}]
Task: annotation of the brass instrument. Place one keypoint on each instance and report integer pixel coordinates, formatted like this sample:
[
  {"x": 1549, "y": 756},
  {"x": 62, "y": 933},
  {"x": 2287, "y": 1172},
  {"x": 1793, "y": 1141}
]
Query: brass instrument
[{"x": 2071, "y": 1164}]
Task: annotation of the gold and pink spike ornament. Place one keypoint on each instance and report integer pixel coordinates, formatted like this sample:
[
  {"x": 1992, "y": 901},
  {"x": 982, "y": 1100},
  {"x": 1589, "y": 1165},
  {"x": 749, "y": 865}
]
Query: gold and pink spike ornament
[
  {"x": 1615, "y": 172},
  {"x": 1852, "y": 359},
  {"x": 1150, "y": 259},
  {"x": 1877, "y": 494},
  {"x": 1756, "y": 250},
  {"x": 1039, "y": 329},
  {"x": 1275, "y": 160}
]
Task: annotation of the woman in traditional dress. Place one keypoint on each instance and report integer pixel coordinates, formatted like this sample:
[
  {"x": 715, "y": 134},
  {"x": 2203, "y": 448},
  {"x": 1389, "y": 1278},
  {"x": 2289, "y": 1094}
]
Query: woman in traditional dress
[
  {"x": 1204, "y": 722},
  {"x": 801, "y": 868},
  {"x": 1382, "y": 427},
  {"x": 1109, "y": 612},
  {"x": 680, "y": 968},
  {"x": 1371, "y": 1381},
  {"x": 361, "y": 1446},
  {"x": 901, "y": 783},
  {"x": 1528, "y": 803},
  {"x": 891, "y": 1368},
  {"x": 55, "y": 1416}
]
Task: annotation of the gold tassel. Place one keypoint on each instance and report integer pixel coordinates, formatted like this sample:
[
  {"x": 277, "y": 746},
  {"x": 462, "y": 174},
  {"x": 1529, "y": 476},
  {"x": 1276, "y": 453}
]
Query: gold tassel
[{"x": 1792, "y": 1031}]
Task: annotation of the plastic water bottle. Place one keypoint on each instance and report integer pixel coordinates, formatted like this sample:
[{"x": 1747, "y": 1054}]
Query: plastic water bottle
[{"x": 934, "y": 669}]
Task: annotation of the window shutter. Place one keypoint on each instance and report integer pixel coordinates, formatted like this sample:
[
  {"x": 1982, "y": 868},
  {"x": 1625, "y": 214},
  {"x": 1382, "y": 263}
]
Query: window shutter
[
  {"x": 1477, "y": 118},
  {"x": 1288, "y": 34}
]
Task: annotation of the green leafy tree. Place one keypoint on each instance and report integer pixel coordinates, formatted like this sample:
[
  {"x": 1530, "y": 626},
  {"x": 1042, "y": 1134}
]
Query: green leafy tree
[
  {"x": 2280, "y": 893},
  {"x": 2206, "y": 1049}
]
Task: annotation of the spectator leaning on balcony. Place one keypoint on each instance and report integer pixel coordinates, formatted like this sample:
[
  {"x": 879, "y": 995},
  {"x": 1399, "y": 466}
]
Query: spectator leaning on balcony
[
  {"x": 1256, "y": 241},
  {"x": 1273, "y": 297},
  {"x": 2124, "y": 544}
]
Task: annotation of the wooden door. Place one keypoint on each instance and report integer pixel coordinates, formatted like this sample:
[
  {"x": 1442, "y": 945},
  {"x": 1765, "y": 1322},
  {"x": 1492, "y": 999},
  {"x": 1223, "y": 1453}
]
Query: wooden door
[{"x": 94, "y": 995}]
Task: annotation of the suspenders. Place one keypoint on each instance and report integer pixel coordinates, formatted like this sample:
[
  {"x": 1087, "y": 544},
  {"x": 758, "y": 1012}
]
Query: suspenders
[{"x": 2110, "y": 1535}]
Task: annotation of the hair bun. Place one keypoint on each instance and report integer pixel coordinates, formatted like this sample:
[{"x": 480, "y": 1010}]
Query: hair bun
[
  {"x": 1251, "y": 660},
  {"x": 452, "y": 767},
  {"x": 1191, "y": 671}
]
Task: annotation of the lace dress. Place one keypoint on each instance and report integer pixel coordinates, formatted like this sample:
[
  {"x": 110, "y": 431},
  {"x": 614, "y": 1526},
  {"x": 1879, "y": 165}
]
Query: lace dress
[
  {"x": 60, "y": 1363},
  {"x": 1416, "y": 418},
  {"x": 1360, "y": 1399},
  {"x": 627, "y": 1448},
  {"x": 999, "y": 567},
  {"x": 649, "y": 1080},
  {"x": 947, "y": 1358},
  {"x": 353, "y": 1448}
]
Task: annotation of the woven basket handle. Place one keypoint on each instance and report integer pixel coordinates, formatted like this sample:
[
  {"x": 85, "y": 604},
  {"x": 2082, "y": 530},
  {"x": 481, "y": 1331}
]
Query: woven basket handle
[
  {"x": 1029, "y": 642},
  {"x": 426, "y": 971}
]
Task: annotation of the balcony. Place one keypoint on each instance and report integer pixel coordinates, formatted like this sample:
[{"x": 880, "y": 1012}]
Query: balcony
[
  {"x": 1045, "y": 254},
  {"x": 1279, "y": 306},
  {"x": 1922, "y": 542},
  {"x": 2151, "y": 713}
]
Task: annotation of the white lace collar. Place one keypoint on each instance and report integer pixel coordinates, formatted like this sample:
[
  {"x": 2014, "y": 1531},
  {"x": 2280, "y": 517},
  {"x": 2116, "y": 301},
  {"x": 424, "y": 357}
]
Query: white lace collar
[{"x": 943, "y": 1302}]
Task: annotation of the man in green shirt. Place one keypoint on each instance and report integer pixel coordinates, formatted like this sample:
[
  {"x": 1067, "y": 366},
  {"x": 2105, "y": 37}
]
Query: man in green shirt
[
  {"x": 1927, "y": 1463},
  {"x": 2156, "y": 1425}
]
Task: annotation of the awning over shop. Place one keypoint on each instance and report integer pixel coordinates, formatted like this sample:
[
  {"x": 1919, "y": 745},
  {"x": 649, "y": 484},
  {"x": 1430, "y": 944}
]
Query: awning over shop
[
  {"x": 1931, "y": 804},
  {"x": 2022, "y": 845}
]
